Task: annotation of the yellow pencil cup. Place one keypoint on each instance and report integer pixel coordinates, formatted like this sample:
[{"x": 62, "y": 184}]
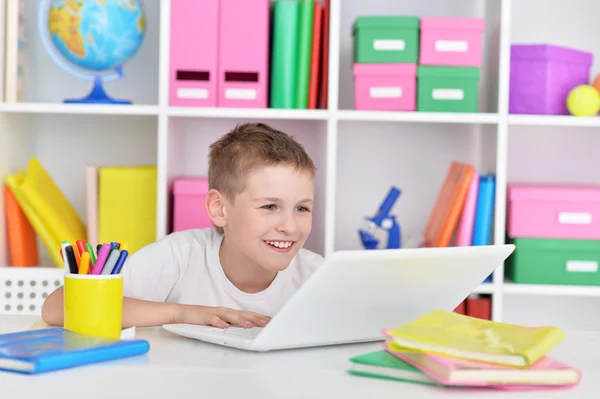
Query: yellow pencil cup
[{"x": 93, "y": 304}]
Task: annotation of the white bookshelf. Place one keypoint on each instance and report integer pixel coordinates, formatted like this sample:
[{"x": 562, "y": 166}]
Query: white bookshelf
[{"x": 359, "y": 154}]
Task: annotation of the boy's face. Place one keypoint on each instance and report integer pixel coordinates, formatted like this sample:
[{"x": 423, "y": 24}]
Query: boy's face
[{"x": 272, "y": 218}]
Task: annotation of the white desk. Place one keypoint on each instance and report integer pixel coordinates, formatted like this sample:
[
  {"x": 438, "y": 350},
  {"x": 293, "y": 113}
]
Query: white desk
[{"x": 178, "y": 367}]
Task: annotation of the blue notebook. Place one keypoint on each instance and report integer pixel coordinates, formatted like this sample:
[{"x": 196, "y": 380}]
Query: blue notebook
[
  {"x": 39, "y": 351},
  {"x": 484, "y": 213}
]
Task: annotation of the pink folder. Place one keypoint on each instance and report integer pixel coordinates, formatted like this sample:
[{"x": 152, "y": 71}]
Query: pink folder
[
  {"x": 243, "y": 53},
  {"x": 464, "y": 231},
  {"x": 193, "y": 53}
]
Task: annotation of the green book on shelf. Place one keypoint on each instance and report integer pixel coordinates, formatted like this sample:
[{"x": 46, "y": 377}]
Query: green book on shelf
[
  {"x": 381, "y": 364},
  {"x": 305, "y": 26},
  {"x": 284, "y": 54}
]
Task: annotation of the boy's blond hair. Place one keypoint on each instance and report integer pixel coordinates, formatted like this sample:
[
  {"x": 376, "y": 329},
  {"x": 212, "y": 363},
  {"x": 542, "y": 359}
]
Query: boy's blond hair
[{"x": 249, "y": 146}]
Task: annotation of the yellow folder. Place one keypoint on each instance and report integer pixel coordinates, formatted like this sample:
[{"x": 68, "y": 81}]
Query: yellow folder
[
  {"x": 41, "y": 192},
  {"x": 127, "y": 205}
]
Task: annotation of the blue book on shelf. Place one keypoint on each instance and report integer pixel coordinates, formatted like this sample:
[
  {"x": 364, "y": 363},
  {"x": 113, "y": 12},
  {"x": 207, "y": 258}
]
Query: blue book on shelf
[
  {"x": 39, "y": 351},
  {"x": 484, "y": 211}
]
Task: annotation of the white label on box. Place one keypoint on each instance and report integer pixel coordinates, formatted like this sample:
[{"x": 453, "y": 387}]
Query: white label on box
[
  {"x": 574, "y": 218},
  {"x": 448, "y": 94},
  {"x": 240, "y": 94},
  {"x": 197, "y": 94},
  {"x": 582, "y": 266},
  {"x": 454, "y": 46},
  {"x": 389, "y": 45},
  {"x": 385, "y": 92}
]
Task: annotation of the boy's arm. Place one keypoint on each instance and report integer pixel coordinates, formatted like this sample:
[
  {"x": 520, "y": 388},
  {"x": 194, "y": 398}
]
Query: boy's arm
[
  {"x": 136, "y": 312},
  {"x": 140, "y": 313}
]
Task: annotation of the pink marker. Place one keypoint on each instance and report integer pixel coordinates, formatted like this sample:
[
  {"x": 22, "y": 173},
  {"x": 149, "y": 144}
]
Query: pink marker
[{"x": 102, "y": 256}]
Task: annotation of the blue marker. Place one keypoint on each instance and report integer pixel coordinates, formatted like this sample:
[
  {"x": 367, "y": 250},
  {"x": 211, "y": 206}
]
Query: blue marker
[{"x": 120, "y": 262}]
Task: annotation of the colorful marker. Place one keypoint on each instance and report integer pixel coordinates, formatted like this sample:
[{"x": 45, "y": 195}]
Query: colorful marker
[
  {"x": 111, "y": 262},
  {"x": 81, "y": 246},
  {"x": 63, "y": 253},
  {"x": 84, "y": 263},
  {"x": 101, "y": 260},
  {"x": 77, "y": 254},
  {"x": 71, "y": 256},
  {"x": 92, "y": 253},
  {"x": 120, "y": 262}
]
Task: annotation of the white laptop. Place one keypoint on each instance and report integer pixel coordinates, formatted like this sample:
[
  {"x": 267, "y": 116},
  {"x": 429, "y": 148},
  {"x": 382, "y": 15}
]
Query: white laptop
[{"x": 355, "y": 294}]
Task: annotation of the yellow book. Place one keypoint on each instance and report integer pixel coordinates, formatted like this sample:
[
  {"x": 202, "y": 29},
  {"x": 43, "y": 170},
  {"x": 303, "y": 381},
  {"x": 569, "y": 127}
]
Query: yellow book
[
  {"x": 127, "y": 205},
  {"x": 49, "y": 202},
  {"x": 451, "y": 334}
]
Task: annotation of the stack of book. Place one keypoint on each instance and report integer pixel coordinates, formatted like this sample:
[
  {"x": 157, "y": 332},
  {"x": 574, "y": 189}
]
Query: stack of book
[{"x": 448, "y": 349}]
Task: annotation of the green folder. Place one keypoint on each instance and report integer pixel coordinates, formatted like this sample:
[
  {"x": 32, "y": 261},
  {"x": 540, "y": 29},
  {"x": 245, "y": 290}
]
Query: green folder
[
  {"x": 305, "y": 26},
  {"x": 382, "y": 364},
  {"x": 284, "y": 54}
]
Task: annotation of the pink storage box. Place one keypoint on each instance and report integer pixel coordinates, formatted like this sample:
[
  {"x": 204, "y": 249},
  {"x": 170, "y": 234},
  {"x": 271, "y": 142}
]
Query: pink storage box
[
  {"x": 243, "y": 53},
  {"x": 553, "y": 211},
  {"x": 390, "y": 87},
  {"x": 451, "y": 41},
  {"x": 189, "y": 211},
  {"x": 193, "y": 53}
]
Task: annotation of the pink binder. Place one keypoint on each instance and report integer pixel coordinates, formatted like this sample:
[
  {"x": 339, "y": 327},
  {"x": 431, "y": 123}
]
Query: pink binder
[
  {"x": 243, "y": 53},
  {"x": 91, "y": 204},
  {"x": 464, "y": 231},
  {"x": 193, "y": 53}
]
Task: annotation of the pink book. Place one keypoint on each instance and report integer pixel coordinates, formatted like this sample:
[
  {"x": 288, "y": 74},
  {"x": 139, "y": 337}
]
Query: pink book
[
  {"x": 546, "y": 373},
  {"x": 91, "y": 204},
  {"x": 464, "y": 231}
]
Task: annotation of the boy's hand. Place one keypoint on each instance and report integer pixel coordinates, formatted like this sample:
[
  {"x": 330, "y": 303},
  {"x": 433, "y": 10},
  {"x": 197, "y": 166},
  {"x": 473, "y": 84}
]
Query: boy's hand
[{"x": 220, "y": 317}]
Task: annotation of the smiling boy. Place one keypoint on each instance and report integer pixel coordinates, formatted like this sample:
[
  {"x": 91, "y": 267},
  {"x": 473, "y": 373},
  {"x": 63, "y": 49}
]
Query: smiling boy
[{"x": 245, "y": 268}]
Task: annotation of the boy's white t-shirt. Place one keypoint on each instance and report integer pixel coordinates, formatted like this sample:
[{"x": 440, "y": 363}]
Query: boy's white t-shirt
[{"x": 184, "y": 267}]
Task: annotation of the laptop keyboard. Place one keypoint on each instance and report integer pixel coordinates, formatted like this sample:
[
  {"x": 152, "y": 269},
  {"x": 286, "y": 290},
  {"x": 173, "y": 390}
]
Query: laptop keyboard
[{"x": 247, "y": 333}]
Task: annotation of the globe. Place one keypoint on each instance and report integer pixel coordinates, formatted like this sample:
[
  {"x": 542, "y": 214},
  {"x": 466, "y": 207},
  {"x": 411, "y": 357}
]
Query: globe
[{"x": 92, "y": 39}]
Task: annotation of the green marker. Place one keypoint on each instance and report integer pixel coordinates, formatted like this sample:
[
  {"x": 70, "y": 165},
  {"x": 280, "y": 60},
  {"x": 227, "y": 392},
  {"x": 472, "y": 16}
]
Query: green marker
[{"x": 90, "y": 249}]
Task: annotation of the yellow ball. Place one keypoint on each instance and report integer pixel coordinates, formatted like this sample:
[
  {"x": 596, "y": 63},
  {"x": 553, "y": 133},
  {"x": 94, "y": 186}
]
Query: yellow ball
[{"x": 583, "y": 100}]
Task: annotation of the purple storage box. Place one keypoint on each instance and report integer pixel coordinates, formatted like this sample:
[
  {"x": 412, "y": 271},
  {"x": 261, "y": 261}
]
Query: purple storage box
[{"x": 541, "y": 77}]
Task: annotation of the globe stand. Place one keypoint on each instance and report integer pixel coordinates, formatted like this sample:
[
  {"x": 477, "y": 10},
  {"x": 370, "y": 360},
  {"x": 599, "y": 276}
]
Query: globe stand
[{"x": 97, "y": 96}]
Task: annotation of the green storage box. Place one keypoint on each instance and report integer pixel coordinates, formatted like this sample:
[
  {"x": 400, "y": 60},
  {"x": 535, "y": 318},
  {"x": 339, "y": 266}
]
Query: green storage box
[
  {"x": 554, "y": 261},
  {"x": 447, "y": 89},
  {"x": 379, "y": 40}
]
